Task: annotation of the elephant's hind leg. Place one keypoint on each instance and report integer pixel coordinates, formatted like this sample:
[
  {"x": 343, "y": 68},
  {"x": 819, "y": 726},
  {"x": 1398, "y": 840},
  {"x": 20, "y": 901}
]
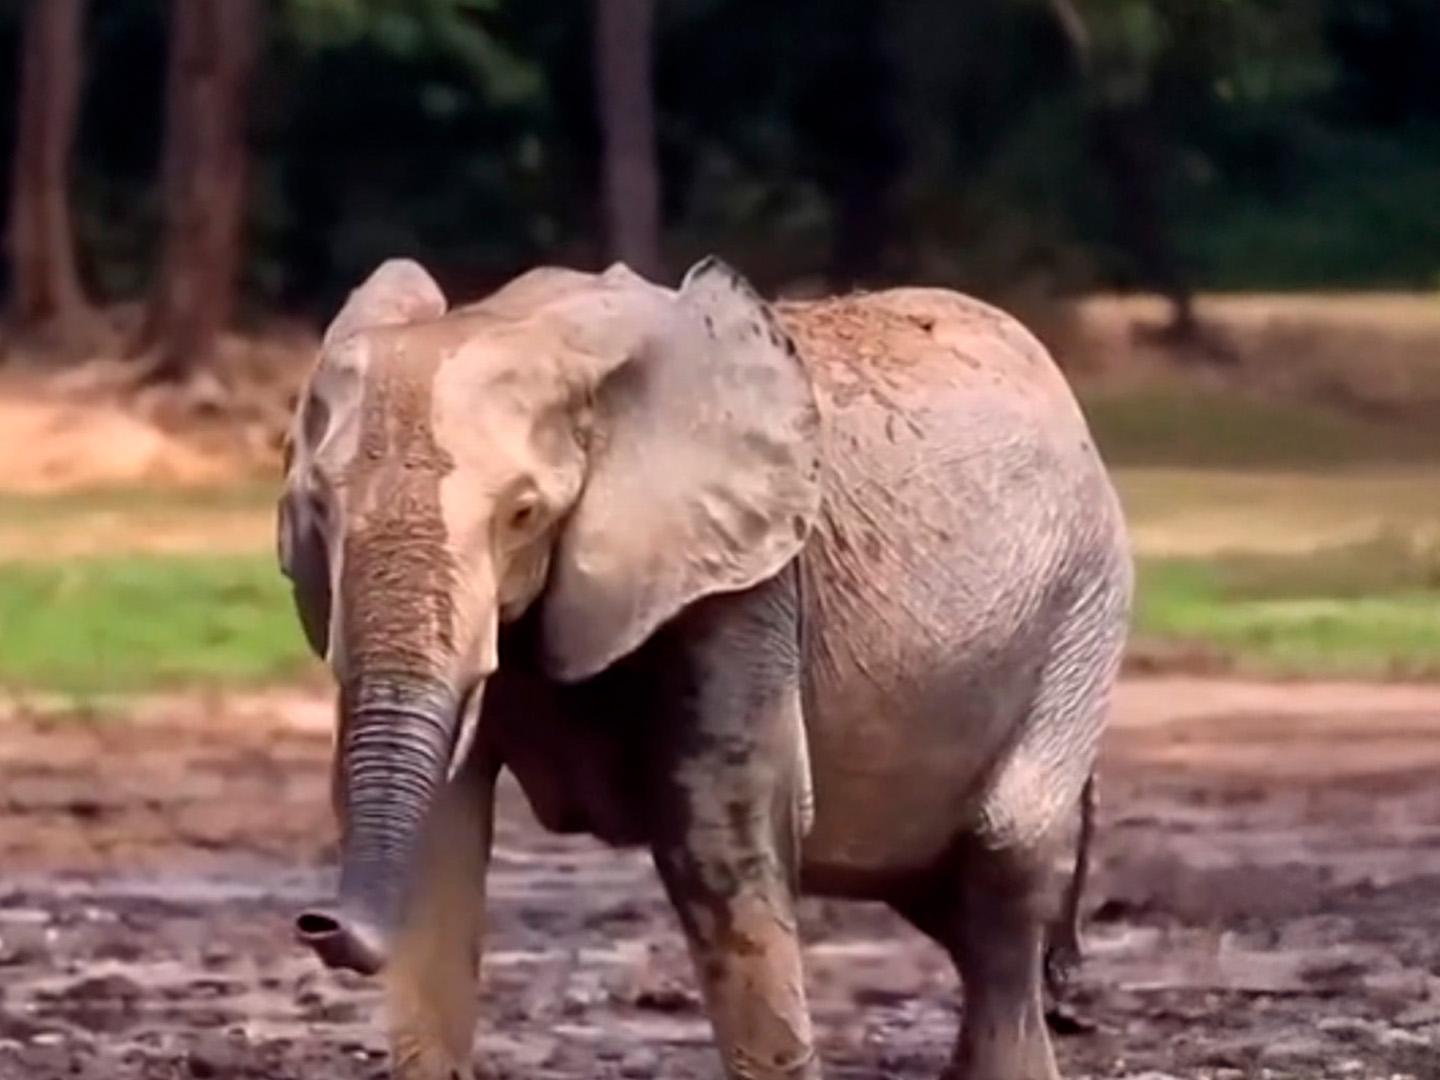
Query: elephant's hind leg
[
  {"x": 430, "y": 982},
  {"x": 987, "y": 910},
  {"x": 1003, "y": 907}
]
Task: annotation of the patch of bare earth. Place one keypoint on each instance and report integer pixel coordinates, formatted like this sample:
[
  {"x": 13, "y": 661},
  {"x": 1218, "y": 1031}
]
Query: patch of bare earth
[
  {"x": 1264, "y": 906},
  {"x": 98, "y": 424},
  {"x": 51, "y": 444}
]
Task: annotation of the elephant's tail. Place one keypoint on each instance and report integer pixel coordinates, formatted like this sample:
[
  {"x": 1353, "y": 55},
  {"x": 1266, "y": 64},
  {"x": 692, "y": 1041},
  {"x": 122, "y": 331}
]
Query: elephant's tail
[{"x": 1064, "y": 946}]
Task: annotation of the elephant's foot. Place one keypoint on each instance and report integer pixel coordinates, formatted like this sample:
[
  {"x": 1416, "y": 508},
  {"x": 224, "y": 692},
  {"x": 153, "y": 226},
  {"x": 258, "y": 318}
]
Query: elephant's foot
[
  {"x": 747, "y": 958},
  {"x": 428, "y": 1063},
  {"x": 995, "y": 1047}
]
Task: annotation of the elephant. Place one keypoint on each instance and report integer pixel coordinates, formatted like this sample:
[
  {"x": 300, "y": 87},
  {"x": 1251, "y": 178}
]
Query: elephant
[{"x": 807, "y": 598}]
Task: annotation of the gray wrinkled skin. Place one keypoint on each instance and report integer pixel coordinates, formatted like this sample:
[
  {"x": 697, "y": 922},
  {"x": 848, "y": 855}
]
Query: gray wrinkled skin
[{"x": 827, "y": 597}]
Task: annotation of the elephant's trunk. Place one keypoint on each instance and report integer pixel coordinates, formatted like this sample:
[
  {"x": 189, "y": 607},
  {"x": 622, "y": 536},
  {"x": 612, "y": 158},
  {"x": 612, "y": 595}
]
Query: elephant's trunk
[{"x": 398, "y": 738}]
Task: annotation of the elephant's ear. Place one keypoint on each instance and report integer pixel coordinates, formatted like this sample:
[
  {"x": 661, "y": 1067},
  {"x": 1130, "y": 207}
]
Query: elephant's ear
[
  {"x": 300, "y": 536},
  {"x": 703, "y": 478},
  {"x": 398, "y": 291},
  {"x": 303, "y": 559}
]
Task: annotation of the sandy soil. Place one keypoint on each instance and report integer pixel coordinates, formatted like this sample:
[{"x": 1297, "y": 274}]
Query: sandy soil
[{"x": 1265, "y": 906}]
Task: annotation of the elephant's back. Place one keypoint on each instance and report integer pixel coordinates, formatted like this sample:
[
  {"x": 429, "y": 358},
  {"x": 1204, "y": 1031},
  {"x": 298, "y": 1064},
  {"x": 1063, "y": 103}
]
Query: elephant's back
[
  {"x": 902, "y": 349},
  {"x": 951, "y": 442}
]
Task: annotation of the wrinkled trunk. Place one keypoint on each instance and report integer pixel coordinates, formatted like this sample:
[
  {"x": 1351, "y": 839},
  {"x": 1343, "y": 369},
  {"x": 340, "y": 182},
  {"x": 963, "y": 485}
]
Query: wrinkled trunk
[{"x": 397, "y": 738}]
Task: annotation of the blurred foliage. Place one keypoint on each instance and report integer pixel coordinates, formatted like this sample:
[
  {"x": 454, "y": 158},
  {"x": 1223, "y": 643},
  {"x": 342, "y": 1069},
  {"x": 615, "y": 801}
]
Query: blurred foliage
[{"x": 1277, "y": 143}]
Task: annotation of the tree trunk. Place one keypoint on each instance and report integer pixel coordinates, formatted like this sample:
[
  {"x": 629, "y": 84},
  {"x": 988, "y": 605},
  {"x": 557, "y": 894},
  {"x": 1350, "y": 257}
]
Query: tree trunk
[
  {"x": 47, "y": 299},
  {"x": 624, "y": 61},
  {"x": 1131, "y": 155},
  {"x": 212, "y": 52}
]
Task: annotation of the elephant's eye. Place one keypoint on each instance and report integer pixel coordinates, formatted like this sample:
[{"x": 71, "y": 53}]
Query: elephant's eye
[{"x": 524, "y": 516}]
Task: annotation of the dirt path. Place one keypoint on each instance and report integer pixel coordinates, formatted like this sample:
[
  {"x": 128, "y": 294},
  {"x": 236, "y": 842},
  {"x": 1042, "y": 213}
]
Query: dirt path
[{"x": 1266, "y": 905}]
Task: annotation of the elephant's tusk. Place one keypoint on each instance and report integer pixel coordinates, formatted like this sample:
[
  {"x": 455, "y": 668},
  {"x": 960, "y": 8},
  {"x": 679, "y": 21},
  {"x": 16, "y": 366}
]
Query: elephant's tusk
[{"x": 469, "y": 727}]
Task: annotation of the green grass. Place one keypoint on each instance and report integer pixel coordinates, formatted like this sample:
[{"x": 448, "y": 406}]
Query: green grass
[
  {"x": 1363, "y": 611},
  {"x": 139, "y": 623},
  {"x": 143, "y": 622}
]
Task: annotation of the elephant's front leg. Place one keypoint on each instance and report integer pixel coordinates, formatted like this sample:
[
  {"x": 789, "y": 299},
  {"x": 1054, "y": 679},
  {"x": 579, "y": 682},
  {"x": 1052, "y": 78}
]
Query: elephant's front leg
[
  {"x": 430, "y": 982},
  {"x": 733, "y": 793}
]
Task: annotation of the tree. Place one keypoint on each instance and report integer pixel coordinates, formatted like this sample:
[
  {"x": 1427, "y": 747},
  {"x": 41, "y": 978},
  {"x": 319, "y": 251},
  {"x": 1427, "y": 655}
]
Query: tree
[
  {"x": 47, "y": 299},
  {"x": 624, "y": 64},
  {"x": 1117, "y": 64},
  {"x": 213, "y": 44},
  {"x": 849, "y": 133}
]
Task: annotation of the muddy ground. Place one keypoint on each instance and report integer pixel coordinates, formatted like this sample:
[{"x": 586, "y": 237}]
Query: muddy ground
[{"x": 1267, "y": 904}]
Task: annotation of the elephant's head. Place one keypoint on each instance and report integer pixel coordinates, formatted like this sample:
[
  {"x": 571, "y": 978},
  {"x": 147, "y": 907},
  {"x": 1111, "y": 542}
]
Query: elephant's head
[{"x": 597, "y": 447}]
